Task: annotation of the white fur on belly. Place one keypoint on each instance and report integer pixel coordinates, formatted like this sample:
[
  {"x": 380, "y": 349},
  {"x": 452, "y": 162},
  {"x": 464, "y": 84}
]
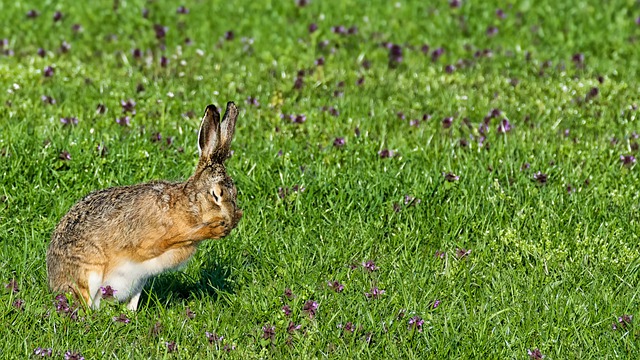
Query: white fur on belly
[{"x": 129, "y": 277}]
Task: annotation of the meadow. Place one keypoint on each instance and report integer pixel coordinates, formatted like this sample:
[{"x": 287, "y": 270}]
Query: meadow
[{"x": 450, "y": 179}]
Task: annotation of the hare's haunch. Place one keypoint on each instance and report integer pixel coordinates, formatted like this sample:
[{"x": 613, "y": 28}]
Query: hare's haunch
[{"x": 121, "y": 236}]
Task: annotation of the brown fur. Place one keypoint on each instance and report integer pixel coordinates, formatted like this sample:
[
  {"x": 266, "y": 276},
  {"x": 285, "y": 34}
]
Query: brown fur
[{"x": 142, "y": 222}]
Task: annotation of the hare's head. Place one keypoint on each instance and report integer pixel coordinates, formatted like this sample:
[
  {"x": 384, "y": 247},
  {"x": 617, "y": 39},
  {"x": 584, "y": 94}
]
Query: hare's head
[{"x": 213, "y": 194}]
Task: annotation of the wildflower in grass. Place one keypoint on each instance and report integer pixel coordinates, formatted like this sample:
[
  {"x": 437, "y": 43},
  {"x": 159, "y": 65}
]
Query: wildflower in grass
[
  {"x": 504, "y": 126},
  {"x": 593, "y": 92},
  {"x": 213, "y": 337},
  {"x": 348, "y": 327},
  {"x": 335, "y": 286},
  {"x": 446, "y": 122},
  {"x": 298, "y": 83},
  {"x": 12, "y": 286},
  {"x": 302, "y": 3},
  {"x": 411, "y": 200},
  {"x": 229, "y": 35},
  {"x": 48, "y": 71},
  {"x": 500, "y": 14},
  {"x": 292, "y": 327},
  {"x": 269, "y": 332},
  {"x": 451, "y": 177},
  {"x": 360, "y": 81},
  {"x": 352, "y": 30},
  {"x": 32, "y": 14},
  {"x": 287, "y": 310},
  {"x": 64, "y": 155},
  {"x": 123, "y": 121},
  {"x": 386, "y": 153},
  {"x": 77, "y": 28},
  {"x": 65, "y": 47},
  {"x": 339, "y": 29},
  {"x": 462, "y": 253},
  {"x": 171, "y": 346},
  {"x": 72, "y": 355},
  {"x": 440, "y": 254},
  {"x": 535, "y": 354},
  {"x": 338, "y": 142},
  {"x": 101, "y": 109},
  {"x": 57, "y": 16},
  {"x": 638, "y": 21},
  {"x": 415, "y": 323},
  {"x": 48, "y": 100},
  {"x": 436, "y": 54},
  {"x": 160, "y": 30},
  {"x": 540, "y": 177},
  {"x": 69, "y": 121},
  {"x": 436, "y": 304},
  {"x": 43, "y": 352},
  {"x": 18, "y": 304},
  {"x": 145, "y": 13},
  {"x": 164, "y": 61},
  {"x": 395, "y": 55},
  {"x": 375, "y": 293},
  {"x": 492, "y": 31},
  {"x": 156, "y": 329},
  {"x": 370, "y": 266},
  {"x": 128, "y": 106},
  {"x": 313, "y": 27},
  {"x": 41, "y": 52},
  {"x": 525, "y": 166},
  {"x": 414, "y": 122},
  {"x": 623, "y": 322},
  {"x": 310, "y": 307},
  {"x": 122, "y": 318},
  {"x": 449, "y": 69},
  {"x": 253, "y": 101},
  {"x": 288, "y": 293},
  {"x": 155, "y": 137},
  {"x": 190, "y": 314},
  {"x": 182, "y": 10},
  {"x": 578, "y": 59},
  {"x": 396, "y": 207},
  {"x": 107, "y": 292}
]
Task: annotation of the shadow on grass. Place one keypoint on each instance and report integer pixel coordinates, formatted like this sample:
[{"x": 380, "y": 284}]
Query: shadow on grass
[{"x": 175, "y": 287}]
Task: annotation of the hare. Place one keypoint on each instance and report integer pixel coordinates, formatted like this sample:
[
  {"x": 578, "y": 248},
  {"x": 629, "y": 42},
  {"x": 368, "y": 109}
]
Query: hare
[{"x": 121, "y": 236}]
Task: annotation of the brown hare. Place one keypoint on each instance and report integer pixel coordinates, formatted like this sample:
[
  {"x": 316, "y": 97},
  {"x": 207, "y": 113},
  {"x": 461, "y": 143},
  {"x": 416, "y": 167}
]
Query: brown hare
[{"x": 121, "y": 236}]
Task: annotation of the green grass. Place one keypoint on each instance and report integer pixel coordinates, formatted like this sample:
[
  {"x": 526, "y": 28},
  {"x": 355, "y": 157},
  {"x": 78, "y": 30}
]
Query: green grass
[{"x": 548, "y": 268}]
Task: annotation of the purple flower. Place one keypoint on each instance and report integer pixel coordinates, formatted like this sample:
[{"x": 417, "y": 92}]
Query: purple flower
[
  {"x": 492, "y": 31},
  {"x": 43, "y": 352},
  {"x": 525, "y": 166},
  {"x": 18, "y": 304},
  {"x": 128, "y": 106},
  {"x": 352, "y": 30},
  {"x": 623, "y": 321},
  {"x": 136, "y": 53},
  {"x": 395, "y": 54},
  {"x": 299, "y": 83},
  {"x": 156, "y": 137},
  {"x": 500, "y": 14},
  {"x": 440, "y": 254},
  {"x": 302, "y": 3},
  {"x": 182, "y": 10},
  {"x": 190, "y": 314},
  {"x": 319, "y": 61},
  {"x": 48, "y": 71},
  {"x": 578, "y": 59},
  {"x": 213, "y": 337},
  {"x": 69, "y": 121},
  {"x": 451, "y": 177},
  {"x": 123, "y": 121},
  {"x": 370, "y": 265},
  {"x": 313, "y": 27},
  {"x": 310, "y": 307},
  {"x": 292, "y": 328},
  {"x": 446, "y": 122},
  {"x": 455, "y": 3},
  {"x": 161, "y": 31},
  {"x": 64, "y": 155},
  {"x": 76, "y": 28},
  {"x": 253, "y": 101},
  {"x": 65, "y": 47},
  {"x": 462, "y": 253},
  {"x": 535, "y": 354},
  {"x": 57, "y": 16},
  {"x": 335, "y": 286},
  {"x": 12, "y": 286},
  {"x": 449, "y": 69},
  {"x": 415, "y": 323},
  {"x": 229, "y": 35},
  {"x": 122, "y": 318},
  {"x": 164, "y": 61},
  {"x": 411, "y": 200},
  {"x": 32, "y": 14},
  {"x": 171, "y": 346},
  {"x": 339, "y": 29},
  {"x": 48, "y": 100},
  {"x": 299, "y": 119},
  {"x": 107, "y": 292},
  {"x": 287, "y": 310},
  {"x": 41, "y": 52},
  {"x": 338, "y": 142},
  {"x": 269, "y": 332},
  {"x": 288, "y": 293},
  {"x": 638, "y": 21},
  {"x": 540, "y": 177},
  {"x": 436, "y": 304},
  {"x": 592, "y": 93},
  {"x": 145, "y": 13},
  {"x": 69, "y": 355},
  {"x": 504, "y": 126},
  {"x": 375, "y": 293},
  {"x": 437, "y": 53},
  {"x": 349, "y": 326},
  {"x": 386, "y": 153}
]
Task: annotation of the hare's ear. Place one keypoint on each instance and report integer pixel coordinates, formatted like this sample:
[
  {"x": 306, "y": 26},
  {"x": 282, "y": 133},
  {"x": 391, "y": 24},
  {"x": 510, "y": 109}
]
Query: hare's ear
[
  {"x": 228, "y": 126},
  {"x": 209, "y": 133}
]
